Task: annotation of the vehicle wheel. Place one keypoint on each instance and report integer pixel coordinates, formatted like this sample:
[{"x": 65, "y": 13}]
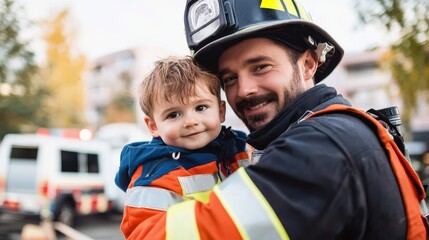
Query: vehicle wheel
[{"x": 67, "y": 214}]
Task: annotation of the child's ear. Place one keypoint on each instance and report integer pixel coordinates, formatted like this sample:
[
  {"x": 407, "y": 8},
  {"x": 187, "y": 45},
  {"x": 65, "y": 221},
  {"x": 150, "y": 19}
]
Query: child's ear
[
  {"x": 222, "y": 111},
  {"x": 151, "y": 125}
]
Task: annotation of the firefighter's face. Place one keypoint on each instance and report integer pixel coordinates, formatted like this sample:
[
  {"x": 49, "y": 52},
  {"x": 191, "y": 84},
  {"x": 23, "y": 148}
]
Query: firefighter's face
[
  {"x": 260, "y": 79},
  {"x": 190, "y": 125}
]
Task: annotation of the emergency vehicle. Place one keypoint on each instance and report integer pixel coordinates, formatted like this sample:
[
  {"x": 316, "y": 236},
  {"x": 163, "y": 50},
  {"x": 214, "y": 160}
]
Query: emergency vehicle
[{"x": 59, "y": 176}]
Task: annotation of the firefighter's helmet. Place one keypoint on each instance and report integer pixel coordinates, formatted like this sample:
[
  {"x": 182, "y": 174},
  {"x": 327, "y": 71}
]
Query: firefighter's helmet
[{"x": 214, "y": 25}]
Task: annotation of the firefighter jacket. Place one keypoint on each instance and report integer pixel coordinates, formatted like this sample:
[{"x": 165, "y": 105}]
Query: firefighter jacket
[
  {"x": 152, "y": 172},
  {"x": 327, "y": 177}
]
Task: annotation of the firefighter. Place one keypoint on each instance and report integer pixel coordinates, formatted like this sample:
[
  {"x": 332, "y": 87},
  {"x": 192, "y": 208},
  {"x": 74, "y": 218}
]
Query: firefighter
[{"x": 324, "y": 177}]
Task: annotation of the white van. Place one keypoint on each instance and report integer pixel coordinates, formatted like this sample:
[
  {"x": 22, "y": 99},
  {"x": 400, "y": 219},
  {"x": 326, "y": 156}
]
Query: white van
[{"x": 47, "y": 174}]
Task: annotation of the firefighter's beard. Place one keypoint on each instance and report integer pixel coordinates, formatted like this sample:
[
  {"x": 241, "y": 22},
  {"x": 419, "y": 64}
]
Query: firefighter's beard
[{"x": 256, "y": 121}]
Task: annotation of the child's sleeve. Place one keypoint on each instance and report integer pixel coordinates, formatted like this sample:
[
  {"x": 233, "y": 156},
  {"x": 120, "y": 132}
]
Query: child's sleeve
[{"x": 122, "y": 178}]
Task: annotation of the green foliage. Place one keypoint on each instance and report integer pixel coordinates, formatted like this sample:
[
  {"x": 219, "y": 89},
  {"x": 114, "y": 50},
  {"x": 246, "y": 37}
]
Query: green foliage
[
  {"x": 408, "y": 59},
  {"x": 21, "y": 89}
]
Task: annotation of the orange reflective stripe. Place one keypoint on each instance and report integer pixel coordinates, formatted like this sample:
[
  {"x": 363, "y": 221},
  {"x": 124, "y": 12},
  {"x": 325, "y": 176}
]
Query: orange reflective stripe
[{"x": 409, "y": 183}]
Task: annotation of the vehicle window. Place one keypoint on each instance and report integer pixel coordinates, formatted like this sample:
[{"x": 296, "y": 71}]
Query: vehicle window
[
  {"x": 92, "y": 161},
  {"x": 22, "y": 170},
  {"x": 69, "y": 161},
  {"x": 74, "y": 162}
]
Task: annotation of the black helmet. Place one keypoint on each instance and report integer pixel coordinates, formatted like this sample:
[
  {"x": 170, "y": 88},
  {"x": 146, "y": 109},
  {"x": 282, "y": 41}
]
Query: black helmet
[{"x": 212, "y": 26}]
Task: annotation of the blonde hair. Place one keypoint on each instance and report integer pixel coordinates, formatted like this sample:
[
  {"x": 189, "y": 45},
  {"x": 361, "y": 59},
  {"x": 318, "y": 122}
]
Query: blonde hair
[{"x": 175, "y": 78}]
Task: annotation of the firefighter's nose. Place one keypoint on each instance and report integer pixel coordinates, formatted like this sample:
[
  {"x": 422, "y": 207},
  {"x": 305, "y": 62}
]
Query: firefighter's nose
[{"x": 246, "y": 86}]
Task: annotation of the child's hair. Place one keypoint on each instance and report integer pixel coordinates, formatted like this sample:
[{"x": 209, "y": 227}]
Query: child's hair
[{"x": 175, "y": 78}]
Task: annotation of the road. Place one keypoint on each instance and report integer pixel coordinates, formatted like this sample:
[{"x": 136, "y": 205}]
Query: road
[{"x": 97, "y": 227}]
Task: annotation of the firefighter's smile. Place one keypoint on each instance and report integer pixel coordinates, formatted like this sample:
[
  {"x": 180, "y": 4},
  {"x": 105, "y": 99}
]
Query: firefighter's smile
[{"x": 257, "y": 106}]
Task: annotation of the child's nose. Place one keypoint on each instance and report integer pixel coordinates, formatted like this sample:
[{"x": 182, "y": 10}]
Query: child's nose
[{"x": 191, "y": 120}]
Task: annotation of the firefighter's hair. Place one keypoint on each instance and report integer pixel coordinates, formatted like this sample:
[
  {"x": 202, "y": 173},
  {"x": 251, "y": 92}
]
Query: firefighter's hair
[{"x": 175, "y": 79}]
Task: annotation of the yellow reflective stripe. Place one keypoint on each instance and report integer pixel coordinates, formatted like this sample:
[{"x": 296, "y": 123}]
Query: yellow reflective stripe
[
  {"x": 150, "y": 197},
  {"x": 181, "y": 222},
  {"x": 272, "y": 4},
  {"x": 304, "y": 14},
  {"x": 290, "y": 7},
  {"x": 200, "y": 196},
  {"x": 197, "y": 183},
  {"x": 251, "y": 213}
]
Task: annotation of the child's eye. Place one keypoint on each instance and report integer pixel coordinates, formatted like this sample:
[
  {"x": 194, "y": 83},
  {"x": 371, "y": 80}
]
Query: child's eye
[
  {"x": 201, "y": 108},
  {"x": 172, "y": 115}
]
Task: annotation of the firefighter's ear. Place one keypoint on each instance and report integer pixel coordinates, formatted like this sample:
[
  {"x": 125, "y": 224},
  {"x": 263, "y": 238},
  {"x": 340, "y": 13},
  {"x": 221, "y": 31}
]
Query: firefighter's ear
[
  {"x": 310, "y": 64},
  {"x": 151, "y": 125}
]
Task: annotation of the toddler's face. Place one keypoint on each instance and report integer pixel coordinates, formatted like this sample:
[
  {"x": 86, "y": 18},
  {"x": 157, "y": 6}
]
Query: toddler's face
[{"x": 191, "y": 125}]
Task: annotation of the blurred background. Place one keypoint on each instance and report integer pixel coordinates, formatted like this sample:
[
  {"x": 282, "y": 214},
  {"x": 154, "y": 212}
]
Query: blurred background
[{"x": 70, "y": 70}]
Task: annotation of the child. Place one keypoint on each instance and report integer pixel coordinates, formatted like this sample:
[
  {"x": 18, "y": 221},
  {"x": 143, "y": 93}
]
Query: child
[{"x": 190, "y": 150}]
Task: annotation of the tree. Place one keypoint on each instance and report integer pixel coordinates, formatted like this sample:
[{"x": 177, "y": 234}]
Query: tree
[
  {"x": 408, "y": 56},
  {"x": 21, "y": 89},
  {"x": 63, "y": 73}
]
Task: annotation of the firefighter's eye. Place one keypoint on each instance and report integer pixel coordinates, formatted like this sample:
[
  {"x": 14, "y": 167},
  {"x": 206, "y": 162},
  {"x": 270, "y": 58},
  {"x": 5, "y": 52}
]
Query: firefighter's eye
[
  {"x": 262, "y": 68},
  {"x": 228, "y": 80}
]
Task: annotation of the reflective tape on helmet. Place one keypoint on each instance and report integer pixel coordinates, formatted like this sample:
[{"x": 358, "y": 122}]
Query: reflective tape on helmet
[
  {"x": 272, "y": 4},
  {"x": 150, "y": 197},
  {"x": 303, "y": 13},
  {"x": 181, "y": 222},
  {"x": 292, "y": 7},
  {"x": 197, "y": 183},
  {"x": 251, "y": 213}
]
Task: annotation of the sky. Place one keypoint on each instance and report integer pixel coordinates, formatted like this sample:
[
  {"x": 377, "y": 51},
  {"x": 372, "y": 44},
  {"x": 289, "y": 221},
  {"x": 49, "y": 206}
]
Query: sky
[{"x": 107, "y": 26}]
